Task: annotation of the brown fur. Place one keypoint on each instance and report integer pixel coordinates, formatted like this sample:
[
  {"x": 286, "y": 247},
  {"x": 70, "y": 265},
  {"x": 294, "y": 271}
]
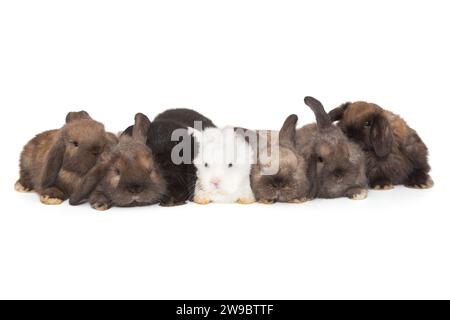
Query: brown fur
[
  {"x": 125, "y": 176},
  {"x": 54, "y": 161},
  {"x": 395, "y": 153},
  {"x": 336, "y": 166},
  {"x": 290, "y": 183}
]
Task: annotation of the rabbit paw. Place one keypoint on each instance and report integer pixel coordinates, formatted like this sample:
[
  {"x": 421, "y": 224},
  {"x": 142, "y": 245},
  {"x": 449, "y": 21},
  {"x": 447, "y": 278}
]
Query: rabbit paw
[
  {"x": 266, "y": 201},
  {"x": 384, "y": 187},
  {"x": 52, "y": 196},
  {"x": 200, "y": 200},
  {"x": 427, "y": 185},
  {"x": 50, "y": 201},
  {"x": 360, "y": 196},
  {"x": 100, "y": 206},
  {"x": 245, "y": 201},
  {"x": 20, "y": 188},
  {"x": 298, "y": 201}
]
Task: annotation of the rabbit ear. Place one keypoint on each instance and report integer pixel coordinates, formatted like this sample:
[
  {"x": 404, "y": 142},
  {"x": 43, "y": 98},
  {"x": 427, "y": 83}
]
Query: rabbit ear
[
  {"x": 81, "y": 115},
  {"x": 337, "y": 113},
  {"x": 381, "y": 136},
  {"x": 287, "y": 132},
  {"x": 90, "y": 181},
  {"x": 52, "y": 163},
  {"x": 322, "y": 118},
  {"x": 141, "y": 127}
]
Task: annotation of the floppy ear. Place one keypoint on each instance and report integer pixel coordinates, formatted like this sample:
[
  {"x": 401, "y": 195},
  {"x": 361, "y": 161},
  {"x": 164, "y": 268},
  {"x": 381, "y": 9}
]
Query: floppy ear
[
  {"x": 337, "y": 113},
  {"x": 322, "y": 118},
  {"x": 287, "y": 132},
  {"x": 90, "y": 181},
  {"x": 141, "y": 127},
  {"x": 81, "y": 115},
  {"x": 381, "y": 136},
  {"x": 52, "y": 163}
]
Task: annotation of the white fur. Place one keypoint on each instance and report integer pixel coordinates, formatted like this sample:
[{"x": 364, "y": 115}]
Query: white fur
[{"x": 218, "y": 148}]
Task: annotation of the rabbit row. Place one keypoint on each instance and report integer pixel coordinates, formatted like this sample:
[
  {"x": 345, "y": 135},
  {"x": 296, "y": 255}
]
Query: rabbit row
[{"x": 183, "y": 156}]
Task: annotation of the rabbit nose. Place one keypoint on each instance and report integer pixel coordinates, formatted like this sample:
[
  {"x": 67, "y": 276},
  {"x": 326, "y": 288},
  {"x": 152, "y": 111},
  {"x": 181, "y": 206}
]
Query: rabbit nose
[
  {"x": 96, "y": 151},
  {"x": 135, "y": 188},
  {"x": 215, "y": 182}
]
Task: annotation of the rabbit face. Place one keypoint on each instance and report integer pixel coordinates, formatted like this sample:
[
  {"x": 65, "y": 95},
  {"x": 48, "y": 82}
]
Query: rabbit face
[
  {"x": 133, "y": 178},
  {"x": 84, "y": 141},
  {"x": 339, "y": 166},
  {"x": 223, "y": 162}
]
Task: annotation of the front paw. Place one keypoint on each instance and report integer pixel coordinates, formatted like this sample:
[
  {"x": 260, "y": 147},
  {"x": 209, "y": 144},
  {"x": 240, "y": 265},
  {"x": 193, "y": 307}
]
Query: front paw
[
  {"x": 50, "y": 201},
  {"x": 52, "y": 196},
  {"x": 361, "y": 195},
  {"x": 20, "y": 188},
  {"x": 202, "y": 201},
  {"x": 427, "y": 185},
  {"x": 298, "y": 201},
  {"x": 267, "y": 201},
  {"x": 383, "y": 187},
  {"x": 100, "y": 206},
  {"x": 245, "y": 201}
]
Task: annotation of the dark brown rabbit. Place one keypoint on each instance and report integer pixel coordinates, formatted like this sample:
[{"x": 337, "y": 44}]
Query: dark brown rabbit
[
  {"x": 288, "y": 183},
  {"x": 336, "y": 166},
  {"x": 54, "y": 161},
  {"x": 395, "y": 153},
  {"x": 127, "y": 176}
]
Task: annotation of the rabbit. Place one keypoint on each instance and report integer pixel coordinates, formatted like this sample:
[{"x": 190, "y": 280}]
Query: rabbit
[
  {"x": 175, "y": 158},
  {"x": 127, "y": 176},
  {"x": 289, "y": 181},
  {"x": 223, "y": 166},
  {"x": 336, "y": 166},
  {"x": 54, "y": 161},
  {"x": 395, "y": 153},
  {"x": 186, "y": 117}
]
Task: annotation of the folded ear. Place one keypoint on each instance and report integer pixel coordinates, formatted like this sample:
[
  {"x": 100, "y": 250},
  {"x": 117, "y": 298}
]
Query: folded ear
[
  {"x": 90, "y": 181},
  {"x": 287, "y": 132},
  {"x": 381, "y": 136},
  {"x": 141, "y": 127},
  {"x": 52, "y": 163},
  {"x": 80, "y": 115},
  {"x": 337, "y": 113}
]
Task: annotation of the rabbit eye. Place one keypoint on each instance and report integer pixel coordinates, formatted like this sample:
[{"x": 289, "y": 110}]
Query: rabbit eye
[
  {"x": 338, "y": 173},
  {"x": 230, "y": 165},
  {"x": 206, "y": 165},
  {"x": 117, "y": 172},
  {"x": 367, "y": 124},
  {"x": 320, "y": 159},
  {"x": 75, "y": 143}
]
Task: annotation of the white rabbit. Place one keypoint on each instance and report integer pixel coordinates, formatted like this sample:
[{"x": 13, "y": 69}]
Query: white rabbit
[{"x": 223, "y": 163}]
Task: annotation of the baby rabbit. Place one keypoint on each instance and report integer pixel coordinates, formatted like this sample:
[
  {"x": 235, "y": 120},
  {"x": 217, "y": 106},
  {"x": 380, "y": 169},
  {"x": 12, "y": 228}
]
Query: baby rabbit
[
  {"x": 55, "y": 161},
  {"x": 127, "y": 176},
  {"x": 174, "y": 157},
  {"x": 223, "y": 167},
  {"x": 187, "y": 117},
  {"x": 336, "y": 166},
  {"x": 289, "y": 182},
  {"x": 395, "y": 153}
]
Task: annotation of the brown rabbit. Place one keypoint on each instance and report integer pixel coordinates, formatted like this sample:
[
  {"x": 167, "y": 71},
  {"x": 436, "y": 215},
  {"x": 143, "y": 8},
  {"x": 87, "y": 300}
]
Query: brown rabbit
[
  {"x": 395, "y": 153},
  {"x": 336, "y": 166},
  {"x": 126, "y": 176},
  {"x": 54, "y": 161},
  {"x": 289, "y": 183}
]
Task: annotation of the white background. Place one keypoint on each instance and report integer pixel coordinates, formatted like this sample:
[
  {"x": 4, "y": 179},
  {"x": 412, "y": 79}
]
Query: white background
[{"x": 246, "y": 63}]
